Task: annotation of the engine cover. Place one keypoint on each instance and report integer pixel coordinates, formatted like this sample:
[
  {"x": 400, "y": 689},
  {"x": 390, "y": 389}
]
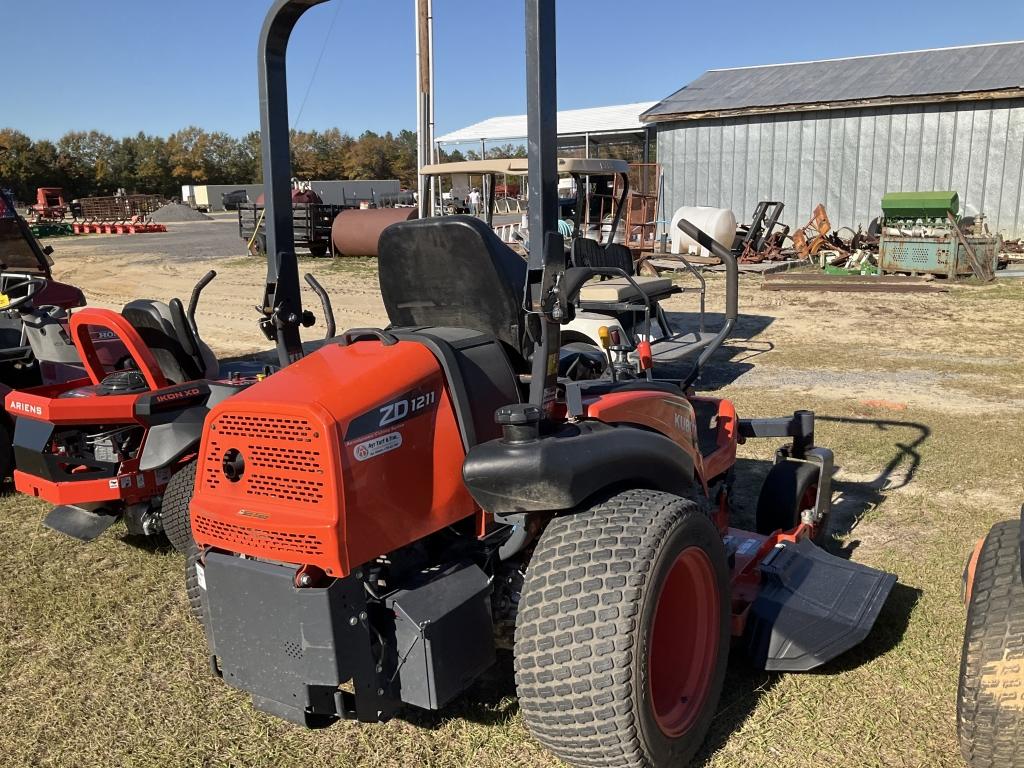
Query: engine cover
[{"x": 343, "y": 456}]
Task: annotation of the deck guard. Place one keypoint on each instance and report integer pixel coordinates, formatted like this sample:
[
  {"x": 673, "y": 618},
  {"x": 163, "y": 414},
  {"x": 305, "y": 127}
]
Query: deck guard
[{"x": 812, "y": 607}]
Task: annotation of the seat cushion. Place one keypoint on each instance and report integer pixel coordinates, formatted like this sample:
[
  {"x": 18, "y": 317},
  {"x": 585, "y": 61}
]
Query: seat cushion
[{"x": 620, "y": 289}]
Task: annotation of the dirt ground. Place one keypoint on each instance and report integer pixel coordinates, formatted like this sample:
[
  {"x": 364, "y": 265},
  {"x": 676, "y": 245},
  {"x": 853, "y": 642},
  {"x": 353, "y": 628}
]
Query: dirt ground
[{"x": 920, "y": 396}]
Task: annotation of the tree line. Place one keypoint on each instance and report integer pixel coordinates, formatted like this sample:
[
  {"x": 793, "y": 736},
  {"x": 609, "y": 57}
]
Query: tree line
[{"x": 91, "y": 163}]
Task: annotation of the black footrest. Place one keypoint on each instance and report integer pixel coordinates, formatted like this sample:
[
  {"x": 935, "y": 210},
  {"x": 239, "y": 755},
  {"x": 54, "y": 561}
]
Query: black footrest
[
  {"x": 812, "y": 607},
  {"x": 81, "y": 524}
]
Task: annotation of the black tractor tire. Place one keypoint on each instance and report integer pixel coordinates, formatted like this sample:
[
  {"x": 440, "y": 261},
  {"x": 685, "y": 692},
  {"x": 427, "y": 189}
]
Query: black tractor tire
[
  {"x": 6, "y": 453},
  {"x": 784, "y": 496},
  {"x": 318, "y": 250},
  {"x": 990, "y": 697},
  {"x": 586, "y": 637},
  {"x": 174, "y": 508},
  {"x": 193, "y": 591}
]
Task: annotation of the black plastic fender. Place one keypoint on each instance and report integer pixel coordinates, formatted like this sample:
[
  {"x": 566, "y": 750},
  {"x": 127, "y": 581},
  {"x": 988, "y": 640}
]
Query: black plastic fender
[
  {"x": 169, "y": 441},
  {"x": 560, "y": 471}
]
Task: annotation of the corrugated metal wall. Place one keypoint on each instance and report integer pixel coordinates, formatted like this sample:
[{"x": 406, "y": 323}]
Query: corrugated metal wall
[{"x": 847, "y": 159}]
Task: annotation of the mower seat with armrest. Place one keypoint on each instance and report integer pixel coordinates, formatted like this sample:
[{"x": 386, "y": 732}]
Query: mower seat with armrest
[
  {"x": 590, "y": 253},
  {"x": 164, "y": 328}
]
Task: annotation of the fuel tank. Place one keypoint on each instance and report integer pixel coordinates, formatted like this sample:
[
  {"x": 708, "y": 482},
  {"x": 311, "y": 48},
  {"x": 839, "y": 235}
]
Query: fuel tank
[{"x": 343, "y": 456}]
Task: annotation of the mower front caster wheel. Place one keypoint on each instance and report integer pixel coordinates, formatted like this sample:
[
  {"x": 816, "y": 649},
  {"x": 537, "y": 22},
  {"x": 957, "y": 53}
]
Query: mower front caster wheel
[
  {"x": 789, "y": 489},
  {"x": 622, "y": 637}
]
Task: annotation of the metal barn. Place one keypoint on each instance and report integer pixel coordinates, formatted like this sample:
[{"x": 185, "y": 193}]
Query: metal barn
[{"x": 845, "y": 131}]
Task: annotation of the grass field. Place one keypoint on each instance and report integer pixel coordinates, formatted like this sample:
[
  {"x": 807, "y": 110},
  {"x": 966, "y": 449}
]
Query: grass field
[{"x": 922, "y": 400}]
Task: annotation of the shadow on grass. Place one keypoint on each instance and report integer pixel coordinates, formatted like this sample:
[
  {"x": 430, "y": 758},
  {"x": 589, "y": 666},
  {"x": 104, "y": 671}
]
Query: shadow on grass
[
  {"x": 858, "y": 498},
  {"x": 155, "y": 544}
]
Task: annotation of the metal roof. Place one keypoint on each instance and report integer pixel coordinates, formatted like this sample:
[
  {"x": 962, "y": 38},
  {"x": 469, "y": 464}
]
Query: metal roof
[
  {"x": 571, "y": 122},
  {"x": 517, "y": 166},
  {"x": 912, "y": 75}
]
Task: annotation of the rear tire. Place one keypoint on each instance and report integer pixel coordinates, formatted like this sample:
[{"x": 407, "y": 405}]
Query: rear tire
[
  {"x": 6, "y": 453},
  {"x": 789, "y": 488},
  {"x": 192, "y": 589},
  {"x": 174, "y": 508},
  {"x": 990, "y": 702},
  {"x": 625, "y": 609}
]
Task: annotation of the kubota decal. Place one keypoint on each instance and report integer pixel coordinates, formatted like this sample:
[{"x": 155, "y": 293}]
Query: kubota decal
[{"x": 412, "y": 403}]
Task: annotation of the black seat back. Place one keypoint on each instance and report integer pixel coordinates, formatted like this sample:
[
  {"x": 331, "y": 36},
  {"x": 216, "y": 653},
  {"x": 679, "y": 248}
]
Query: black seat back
[
  {"x": 590, "y": 253},
  {"x": 172, "y": 342},
  {"x": 453, "y": 272}
]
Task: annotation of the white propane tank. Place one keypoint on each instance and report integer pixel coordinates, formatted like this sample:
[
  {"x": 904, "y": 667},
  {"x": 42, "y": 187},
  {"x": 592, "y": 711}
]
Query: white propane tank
[{"x": 720, "y": 223}]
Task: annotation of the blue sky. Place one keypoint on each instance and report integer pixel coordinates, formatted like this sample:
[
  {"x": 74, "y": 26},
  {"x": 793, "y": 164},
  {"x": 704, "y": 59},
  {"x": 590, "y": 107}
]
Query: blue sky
[{"x": 124, "y": 66}]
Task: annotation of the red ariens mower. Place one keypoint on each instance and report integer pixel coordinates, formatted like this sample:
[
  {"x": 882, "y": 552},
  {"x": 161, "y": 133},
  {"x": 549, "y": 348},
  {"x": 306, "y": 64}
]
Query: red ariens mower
[
  {"x": 121, "y": 441},
  {"x": 382, "y": 510}
]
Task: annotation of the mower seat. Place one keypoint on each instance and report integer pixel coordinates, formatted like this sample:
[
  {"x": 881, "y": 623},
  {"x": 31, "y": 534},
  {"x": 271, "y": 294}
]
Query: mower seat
[
  {"x": 454, "y": 272},
  {"x": 166, "y": 331},
  {"x": 590, "y": 253},
  {"x": 619, "y": 289}
]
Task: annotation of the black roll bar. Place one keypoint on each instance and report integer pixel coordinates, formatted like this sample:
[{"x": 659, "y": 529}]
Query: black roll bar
[
  {"x": 282, "y": 301},
  {"x": 547, "y": 257}
]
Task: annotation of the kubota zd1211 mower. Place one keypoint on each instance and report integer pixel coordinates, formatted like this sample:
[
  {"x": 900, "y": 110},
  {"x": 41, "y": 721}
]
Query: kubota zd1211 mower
[
  {"x": 382, "y": 510},
  {"x": 120, "y": 440}
]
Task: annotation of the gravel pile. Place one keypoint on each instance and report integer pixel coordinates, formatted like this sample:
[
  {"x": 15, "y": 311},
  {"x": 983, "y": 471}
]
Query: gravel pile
[{"x": 173, "y": 212}]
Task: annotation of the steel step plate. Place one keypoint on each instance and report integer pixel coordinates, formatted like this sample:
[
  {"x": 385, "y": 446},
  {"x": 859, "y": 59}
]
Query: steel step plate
[
  {"x": 812, "y": 607},
  {"x": 81, "y": 524}
]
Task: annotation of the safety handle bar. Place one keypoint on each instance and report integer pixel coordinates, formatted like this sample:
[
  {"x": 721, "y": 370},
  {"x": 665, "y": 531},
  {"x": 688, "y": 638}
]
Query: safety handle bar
[
  {"x": 356, "y": 334},
  {"x": 325, "y": 303},
  {"x": 732, "y": 291},
  {"x": 193, "y": 302}
]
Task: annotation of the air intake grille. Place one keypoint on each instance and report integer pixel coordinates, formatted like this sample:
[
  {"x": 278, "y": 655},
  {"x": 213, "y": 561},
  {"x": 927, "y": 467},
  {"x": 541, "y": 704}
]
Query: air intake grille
[
  {"x": 912, "y": 255},
  {"x": 286, "y": 489},
  {"x": 247, "y": 539},
  {"x": 265, "y": 428},
  {"x": 281, "y": 455}
]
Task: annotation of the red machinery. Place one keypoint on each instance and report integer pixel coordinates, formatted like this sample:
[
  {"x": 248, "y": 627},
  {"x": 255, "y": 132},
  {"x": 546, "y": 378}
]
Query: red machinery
[
  {"x": 385, "y": 508},
  {"x": 105, "y": 445},
  {"x": 49, "y": 204}
]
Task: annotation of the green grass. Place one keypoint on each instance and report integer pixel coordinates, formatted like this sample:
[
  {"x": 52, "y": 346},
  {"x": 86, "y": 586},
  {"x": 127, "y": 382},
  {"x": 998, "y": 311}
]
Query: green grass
[{"x": 100, "y": 663}]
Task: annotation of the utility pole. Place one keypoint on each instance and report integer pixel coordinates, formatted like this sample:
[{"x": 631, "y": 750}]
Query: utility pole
[{"x": 424, "y": 102}]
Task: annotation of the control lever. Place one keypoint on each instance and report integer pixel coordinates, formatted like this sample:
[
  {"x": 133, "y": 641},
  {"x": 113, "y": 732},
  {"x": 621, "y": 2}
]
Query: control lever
[
  {"x": 193, "y": 302},
  {"x": 325, "y": 303}
]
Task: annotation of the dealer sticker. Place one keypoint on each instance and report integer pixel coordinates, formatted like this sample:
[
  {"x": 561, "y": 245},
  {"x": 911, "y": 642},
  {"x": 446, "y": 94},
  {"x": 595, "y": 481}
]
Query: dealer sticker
[
  {"x": 201, "y": 576},
  {"x": 378, "y": 445}
]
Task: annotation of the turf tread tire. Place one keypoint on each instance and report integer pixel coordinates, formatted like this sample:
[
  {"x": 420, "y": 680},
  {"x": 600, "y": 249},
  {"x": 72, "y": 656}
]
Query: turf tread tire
[
  {"x": 192, "y": 589},
  {"x": 578, "y": 632},
  {"x": 174, "y": 508},
  {"x": 990, "y": 695}
]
